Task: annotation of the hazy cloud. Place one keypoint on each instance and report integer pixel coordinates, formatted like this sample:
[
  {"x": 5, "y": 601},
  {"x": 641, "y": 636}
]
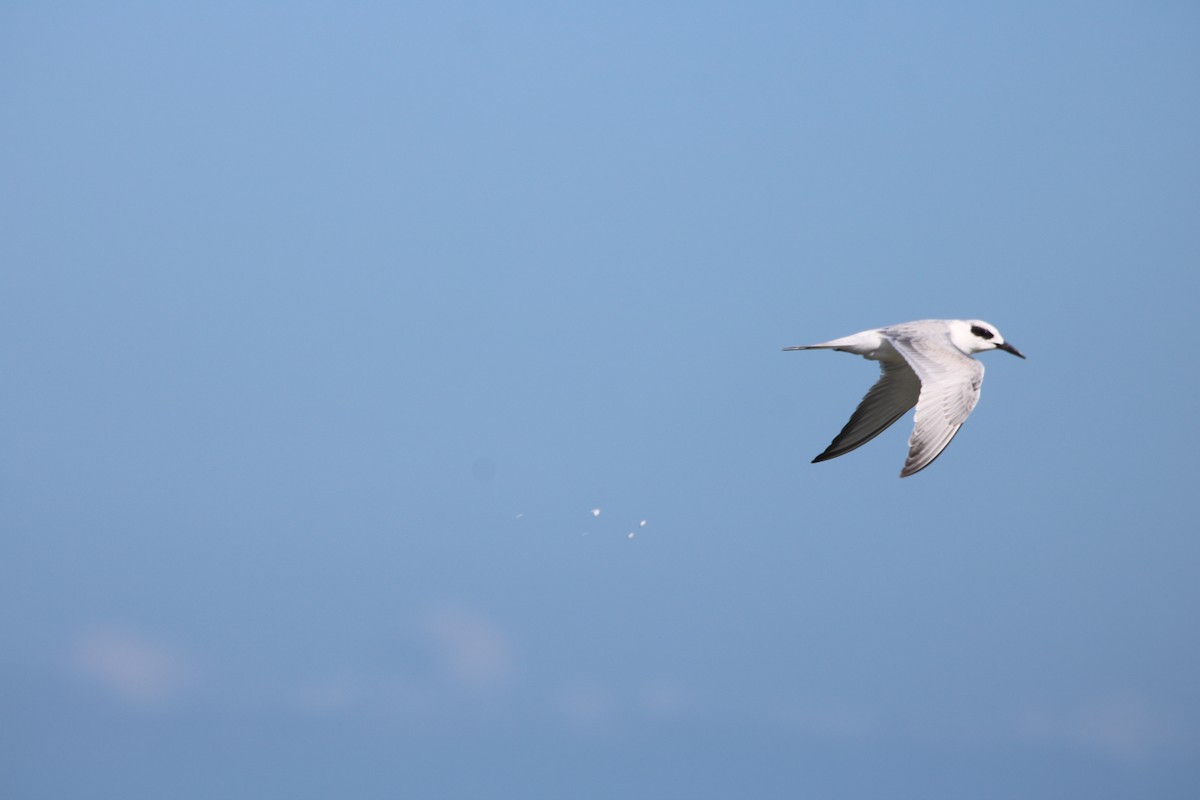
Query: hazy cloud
[
  {"x": 473, "y": 652},
  {"x": 1123, "y": 726},
  {"x": 136, "y": 669},
  {"x": 584, "y": 704},
  {"x": 830, "y": 719},
  {"x": 666, "y": 699}
]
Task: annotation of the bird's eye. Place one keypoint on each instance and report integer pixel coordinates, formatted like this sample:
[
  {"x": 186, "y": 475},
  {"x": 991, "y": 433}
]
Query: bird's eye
[{"x": 982, "y": 333}]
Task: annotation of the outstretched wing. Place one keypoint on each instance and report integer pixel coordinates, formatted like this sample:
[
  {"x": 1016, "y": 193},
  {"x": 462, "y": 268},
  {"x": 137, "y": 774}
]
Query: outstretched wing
[
  {"x": 891, "y": 397},
  {"x": 950, "y": 383}
]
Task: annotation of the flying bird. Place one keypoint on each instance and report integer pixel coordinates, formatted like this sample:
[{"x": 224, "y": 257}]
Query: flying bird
[{"x": 926, "y": 364}]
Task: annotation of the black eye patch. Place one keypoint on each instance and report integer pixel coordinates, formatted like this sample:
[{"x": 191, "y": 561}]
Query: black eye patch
[{"x": 982, "y": 333}]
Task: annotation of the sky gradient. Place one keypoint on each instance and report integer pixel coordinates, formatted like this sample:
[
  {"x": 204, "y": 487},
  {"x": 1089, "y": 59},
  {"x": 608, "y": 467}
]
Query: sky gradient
[{"x": 326, "y": 327}]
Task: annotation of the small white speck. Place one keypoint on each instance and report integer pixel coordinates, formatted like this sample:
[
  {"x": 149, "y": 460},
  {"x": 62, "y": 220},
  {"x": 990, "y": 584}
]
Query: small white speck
[
  {"x": 520, "y": 515},
  {"x": 629, "y": 535},
  {"x": 642, "y": 524},
  {"x": 595, "y": 512}
]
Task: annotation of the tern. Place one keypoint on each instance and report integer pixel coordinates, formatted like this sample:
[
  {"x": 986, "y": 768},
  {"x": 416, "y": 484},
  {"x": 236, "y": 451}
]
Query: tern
[{"x": 926, "y": 364}]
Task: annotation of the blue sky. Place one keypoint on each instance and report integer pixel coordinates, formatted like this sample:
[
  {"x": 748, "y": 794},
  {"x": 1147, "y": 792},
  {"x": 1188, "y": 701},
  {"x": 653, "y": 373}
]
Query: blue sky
[{"x": 327, "y": 326}]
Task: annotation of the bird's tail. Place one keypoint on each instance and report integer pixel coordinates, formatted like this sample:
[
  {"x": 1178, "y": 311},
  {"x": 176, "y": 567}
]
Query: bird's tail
[
  {"x": 860, "y": 343},
  {"x": 834, "y": 344}
]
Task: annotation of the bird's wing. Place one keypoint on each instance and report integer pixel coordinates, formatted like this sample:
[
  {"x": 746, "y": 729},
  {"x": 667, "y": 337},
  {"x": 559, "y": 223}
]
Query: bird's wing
[
  {"x": 891, "y": 397},
  {"x": 950, "y": 383}
]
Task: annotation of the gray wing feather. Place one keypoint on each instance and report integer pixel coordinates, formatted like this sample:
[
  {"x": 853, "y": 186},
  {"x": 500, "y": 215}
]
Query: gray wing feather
[
  {"x": 950, "y": 387},
  {"x": 891, "y": 397}
]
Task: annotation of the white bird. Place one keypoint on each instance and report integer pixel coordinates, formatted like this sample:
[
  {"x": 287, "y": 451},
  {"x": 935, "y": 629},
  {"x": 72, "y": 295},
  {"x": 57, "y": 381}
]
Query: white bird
[{"x": 926, "y": 364}]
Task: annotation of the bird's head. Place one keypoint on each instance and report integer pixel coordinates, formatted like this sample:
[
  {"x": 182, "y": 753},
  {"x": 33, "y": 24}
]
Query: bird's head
[{"x": 975, "y": 336}]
